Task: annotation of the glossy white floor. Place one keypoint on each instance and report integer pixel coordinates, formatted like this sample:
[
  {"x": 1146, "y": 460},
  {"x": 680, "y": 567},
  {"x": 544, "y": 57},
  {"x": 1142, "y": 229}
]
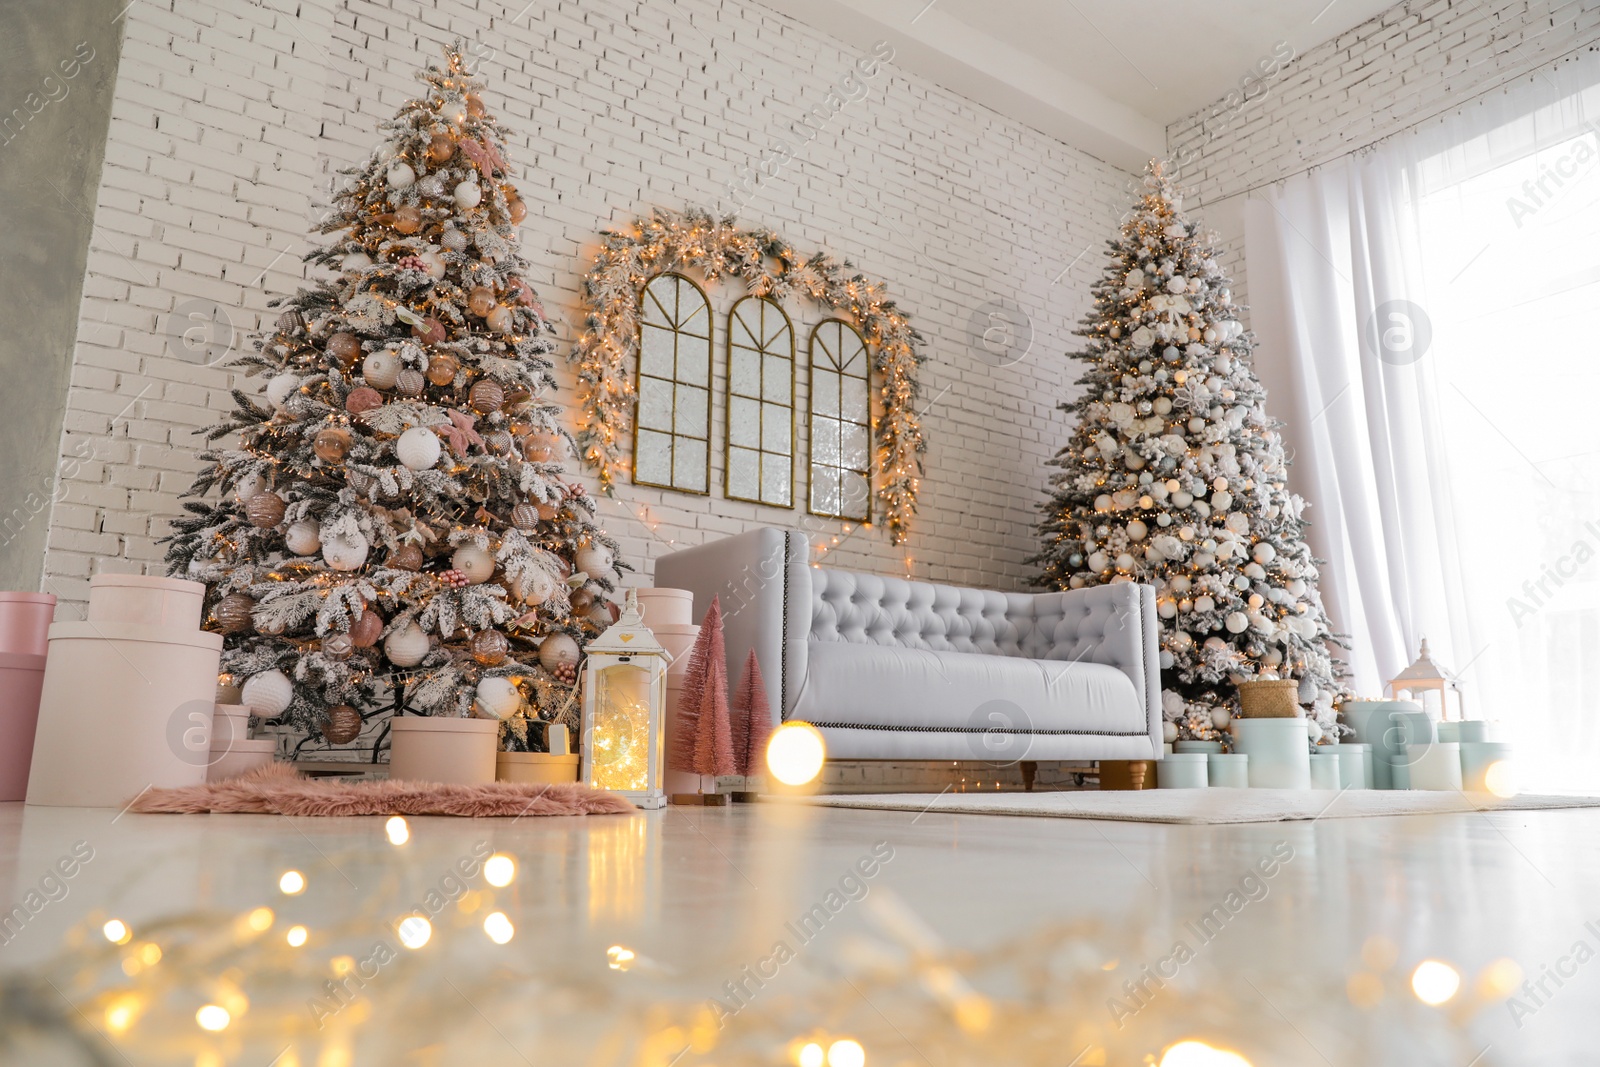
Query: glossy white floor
[{"x": 931, "y": 940}]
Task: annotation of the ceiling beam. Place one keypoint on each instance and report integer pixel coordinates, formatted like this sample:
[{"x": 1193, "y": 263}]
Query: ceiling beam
[{"x": 987, "y": 71}]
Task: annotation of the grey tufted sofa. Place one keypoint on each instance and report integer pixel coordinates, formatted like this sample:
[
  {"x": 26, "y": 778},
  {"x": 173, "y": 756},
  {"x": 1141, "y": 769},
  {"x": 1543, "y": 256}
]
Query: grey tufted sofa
[{"x": 893, "y": 669}]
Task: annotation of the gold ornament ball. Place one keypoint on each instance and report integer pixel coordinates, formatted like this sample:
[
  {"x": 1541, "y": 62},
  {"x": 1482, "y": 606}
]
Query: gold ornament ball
[
  {"x": 487, "y": 397},
  {"x": 410, "y": 382},
  {"x": 291, "y": 321},
  {"x": 475, "y": 106},
  {"x": 518, "y": 210},
  {"x": 331, "y": 444},
  {"x": 366, "y": 630},
  {"x": 442, "y": 369},
  {"x": 525, "y": 517},
  {"x": 489, "y": 647},
  {"x": 233, "y": 613},
  {"x": 342, "y": 726},
  {"x": 264, "y": 510},
  {"x": 499, "y": 320},
  {"x": 345, "y": 347},
  {"x": 440, "y": 148},
  {"x": 481, "y": 300},
  {"x": 406, "y": 558},
  {"x": 499, "y": 442},
  {"x": 338, "y": 646},
  {"x": 407, "y": 219}
]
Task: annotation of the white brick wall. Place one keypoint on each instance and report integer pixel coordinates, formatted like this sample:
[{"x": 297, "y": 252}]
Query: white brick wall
[{"x": 232, "y": 116}]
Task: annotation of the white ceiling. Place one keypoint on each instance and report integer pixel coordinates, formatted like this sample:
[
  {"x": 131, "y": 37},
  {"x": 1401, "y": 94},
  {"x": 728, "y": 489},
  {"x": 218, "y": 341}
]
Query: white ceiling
[{"x": 1104, "y": 75}]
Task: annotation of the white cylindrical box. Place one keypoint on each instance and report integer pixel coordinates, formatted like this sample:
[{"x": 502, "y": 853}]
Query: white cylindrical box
[
  {"x": 438, "y": 749},
  {"x": 1324, "y": 770},
  {"x": 240, "y": 757},
  {"x": 125, "y": 707},
  {"x": 665, "y": 607},
  {"x": 1280, "y": 757},
  {"x": 146, "y": 601},
  {"x": 679, "y": 643},
  {"x": 1182, "y": 770},
  {"x": 1355, "y": 765},
  {"x": 1228, "y": 770},
  {"x": 1436, "y": 766}
]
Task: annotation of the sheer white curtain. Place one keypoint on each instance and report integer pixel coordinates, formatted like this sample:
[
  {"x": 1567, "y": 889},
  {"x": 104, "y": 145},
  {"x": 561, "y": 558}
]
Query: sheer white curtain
[{"x": 1437, "y": 298}]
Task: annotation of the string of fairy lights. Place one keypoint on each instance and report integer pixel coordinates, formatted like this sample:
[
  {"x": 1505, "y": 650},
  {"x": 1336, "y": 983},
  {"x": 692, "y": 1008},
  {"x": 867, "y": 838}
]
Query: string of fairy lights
[{"x": 693, "y": 239}]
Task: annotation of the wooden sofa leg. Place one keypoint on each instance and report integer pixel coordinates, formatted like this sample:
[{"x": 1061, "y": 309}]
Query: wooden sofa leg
[{"x": 1029, "y": 769}]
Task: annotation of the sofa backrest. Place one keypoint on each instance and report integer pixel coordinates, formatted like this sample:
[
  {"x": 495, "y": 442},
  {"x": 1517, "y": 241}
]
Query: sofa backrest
[{"x": 873, "y": 610}]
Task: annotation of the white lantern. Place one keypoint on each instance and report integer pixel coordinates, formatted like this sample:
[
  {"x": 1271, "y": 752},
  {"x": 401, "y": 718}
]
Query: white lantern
[
  {"x": 624, "y": 693},
  {"x": 1424, "y": 677},
  {"x": 381, "y": 369},
  {"x": 407, "y": 646},
  {"x": 418, "y": 448},
  {"x": 303, "y": 537},
  {"x": 474, "y": 562},
  {"x": 498, "y": 698},
  {"x": 267, "y": 693},
  {"x": 345, "y": 553}
]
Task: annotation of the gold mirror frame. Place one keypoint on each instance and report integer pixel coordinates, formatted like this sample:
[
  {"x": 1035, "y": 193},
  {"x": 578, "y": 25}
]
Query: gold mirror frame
[
  {"x": 677, "y": 383},
  {"x": 764, "y": 340}
]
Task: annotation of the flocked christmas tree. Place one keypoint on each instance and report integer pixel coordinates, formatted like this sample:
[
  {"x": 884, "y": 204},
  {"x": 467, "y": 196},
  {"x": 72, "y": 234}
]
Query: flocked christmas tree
[
  {"x": 1174, "y": 477},
  {"x": 397, "y": 530}
]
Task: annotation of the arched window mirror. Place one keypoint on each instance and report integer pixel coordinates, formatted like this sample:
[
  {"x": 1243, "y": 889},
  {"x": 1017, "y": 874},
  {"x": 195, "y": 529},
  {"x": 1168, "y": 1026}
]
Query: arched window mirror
[
  {"x": 841, "y": 423},
  {"x": 760, "y": 403},
  {"x": 672, "y": 424}
]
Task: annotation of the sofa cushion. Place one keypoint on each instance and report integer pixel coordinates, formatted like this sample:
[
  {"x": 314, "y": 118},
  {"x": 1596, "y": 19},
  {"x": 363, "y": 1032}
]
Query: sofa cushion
[
  {"x": 861, "y": 685},
  {"x": 869, "y": 609}
]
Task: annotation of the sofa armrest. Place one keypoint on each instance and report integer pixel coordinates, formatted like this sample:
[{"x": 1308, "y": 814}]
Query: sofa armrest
[
  {"x": 751, "y": 575},
  {"x": 1111, "y": 624}
]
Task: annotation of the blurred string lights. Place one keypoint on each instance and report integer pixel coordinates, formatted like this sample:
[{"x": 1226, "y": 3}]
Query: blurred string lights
[{"x": 244, "y": 979}]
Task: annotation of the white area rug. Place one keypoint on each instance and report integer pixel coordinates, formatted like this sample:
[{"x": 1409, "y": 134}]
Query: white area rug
[{"x": 1202, "y": 806}]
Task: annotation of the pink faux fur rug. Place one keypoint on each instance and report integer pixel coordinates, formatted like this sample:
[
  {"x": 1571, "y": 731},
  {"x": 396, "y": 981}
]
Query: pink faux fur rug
[{"x": 278, "y": 789}]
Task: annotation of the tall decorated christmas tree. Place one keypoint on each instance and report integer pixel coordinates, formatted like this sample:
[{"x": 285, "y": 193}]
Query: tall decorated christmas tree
[
  {"x": 1174, "y": 477},
  {"x": 396, "y": 529}
]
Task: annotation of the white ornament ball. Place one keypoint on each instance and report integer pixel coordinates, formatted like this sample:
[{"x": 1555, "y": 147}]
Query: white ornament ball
[
  {"x": 280, "y": 388},
  {"x": 468, "y": 195},
  {"x": 1102, "y": 502},
  {"x": 1181, "y": 641},
  {"x": 1222, "y": 500},
  {"x": 1264, "y": 553},
  {"x": 1125, "y": 562},
  {"x": 433, "y": 264},
  {"x": 401, "y": 175},
  {"x": 1169, "y": 732},
  {"x": 1177, "y": 285},
  {"x": 498, "y": 698},
  {"x": 1099, "y": 562},
  {"x": 303, "y": 537},
  {"x": 474, "y": 562},
  {"x": 248, "y": 486},
  {"x": 1167, "y": 609},
  {"x": 346, "y": 553},
  {"x": 1166, "y": 660},
  {"x": 1137, "y": 530},
  {"x": 593, "y": 560},
  {"x": 454, "y": 240},
  {"x": 1181, "y": 499},
  {"x": 499, "y": 320},
  {"x": 558, "y": 650},
  {"x": 381, "y": 369},
  {"x": 1203, "y": 603},
  {"x": 1237, "y": 622},
  {"x": 1220, "y": 718},
  {"x": 418, "y": 448},
  {"x": 268, "y": 693},
  {"x": 406, "y": 647}
]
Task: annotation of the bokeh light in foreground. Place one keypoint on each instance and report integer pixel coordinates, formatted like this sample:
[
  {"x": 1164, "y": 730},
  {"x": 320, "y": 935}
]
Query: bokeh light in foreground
[
  {"x": 499, "y": 870},
  {"x": 811, "y": 1056},
  {"x": 846, "y": 1053},
  {"x": 619, "y": 958},
  {"x": 117, "y": 932},
  {"x": 296, "y": 936},
  {"x": 1499, "y": 779},
  {"x": 795, "y": 753},
  {"x": 1199, "y": 1054},
  {"x": 399, "y": 833},
  {"x": 414, "y": 931},
  {"x": 213, "y": 1017},
  {"x": 1435, "y": 982},
  {"x": 498, "y": 927},
  {"x": 292, "y": 882}
]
